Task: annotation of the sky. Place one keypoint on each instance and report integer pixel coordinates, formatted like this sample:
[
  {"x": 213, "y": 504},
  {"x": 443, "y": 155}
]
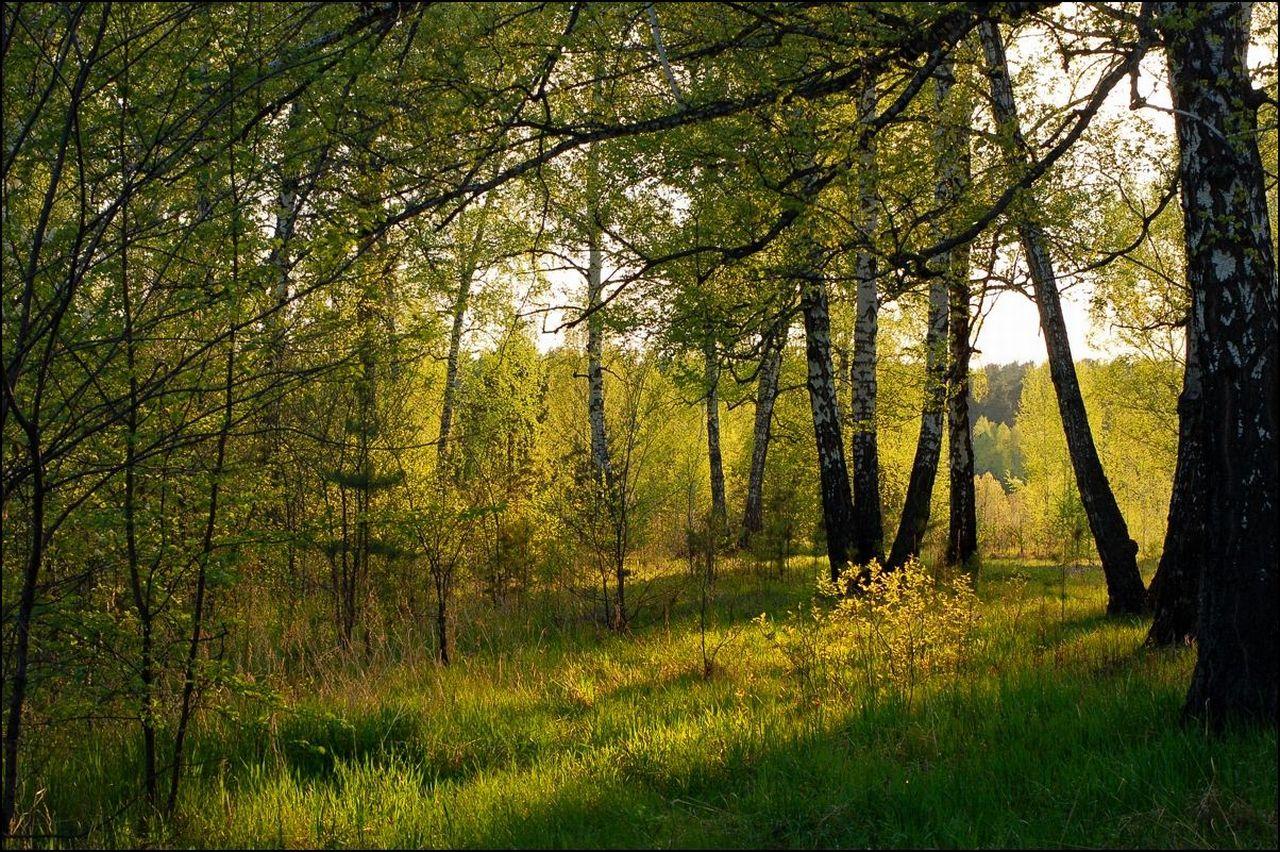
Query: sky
[{"x": 1011, "y": 331}]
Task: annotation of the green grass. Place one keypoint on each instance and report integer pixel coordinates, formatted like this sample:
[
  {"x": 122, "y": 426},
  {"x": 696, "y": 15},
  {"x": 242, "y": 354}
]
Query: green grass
[{"x": 1061, "y": 731}]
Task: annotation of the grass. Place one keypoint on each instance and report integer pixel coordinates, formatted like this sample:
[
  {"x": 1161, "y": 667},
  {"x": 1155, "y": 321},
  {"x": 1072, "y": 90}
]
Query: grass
[{"x": 1060, "y": 731}]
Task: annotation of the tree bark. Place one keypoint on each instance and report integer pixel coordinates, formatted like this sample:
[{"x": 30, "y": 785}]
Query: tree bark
[
  {"x": 837, "y": 499},
  {"x": 1126, "y": 593},
  {"x": 462, "y": 298},
  {"x": 766, "y": 396},
  {"x": 711, "y": 376},
  {"x": 962, "y": 527},
  {"x": 1175, "y": 588},
  {"x": 924, "y": 467},
  {"x": 1232, "y": 276},
  {"x": 452, "y": 382},
  {"x": 868, "y": 523},
  {"x": 952, "y": 139},
  {"x": 595, "y": 367},
  {"x": 442, "y": 583},
  {"x": 17, "y": 675},
  {"x": 606, "y": 481}
]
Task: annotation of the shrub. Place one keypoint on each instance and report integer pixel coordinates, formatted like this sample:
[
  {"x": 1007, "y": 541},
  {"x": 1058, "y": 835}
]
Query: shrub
[{"x": 881, "y": 632}]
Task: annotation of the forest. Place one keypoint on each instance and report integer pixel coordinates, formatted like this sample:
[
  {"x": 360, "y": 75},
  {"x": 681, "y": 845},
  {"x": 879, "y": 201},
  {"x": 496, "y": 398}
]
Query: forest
[{"x": 713, "y": 424}]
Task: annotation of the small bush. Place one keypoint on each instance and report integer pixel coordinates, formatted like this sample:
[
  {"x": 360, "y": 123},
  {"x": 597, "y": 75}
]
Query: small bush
[{"x": 880, "y": 632}]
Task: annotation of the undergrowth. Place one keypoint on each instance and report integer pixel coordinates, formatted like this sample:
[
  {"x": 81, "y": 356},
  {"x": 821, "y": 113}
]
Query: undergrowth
[{"x": 926, "y": 713}]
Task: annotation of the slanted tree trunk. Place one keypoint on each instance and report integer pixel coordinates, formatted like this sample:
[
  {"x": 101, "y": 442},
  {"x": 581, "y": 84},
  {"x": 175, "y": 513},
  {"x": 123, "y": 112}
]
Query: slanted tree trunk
[
  {"x": 837, "y": 499},
  {"x": 868, "y": 523},
  {"x": 468, "y": 261},
  {"x": 1118, "y": 552},
  {"x": 711, "y": 376},
  {"x": 1231, "y": 270},
  {"x": 452, "y": 381},
  {"x": 1175, "y": 588},
  {"x": 924, "y": 467},
  {"x": 766, "y": 396}
]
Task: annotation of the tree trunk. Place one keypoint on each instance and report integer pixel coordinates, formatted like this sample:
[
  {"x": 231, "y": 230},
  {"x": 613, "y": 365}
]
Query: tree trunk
[
  {"x": 452, "y": 382},
  {"x": 924, "y": 468},
  {"x": 711, "y": 376},
  {"x": 282, "y": 234},
  {"x": 868, "y": 522},
  {"x": 1232, "y": 276},
  {"x": 17, "y": 675},
  {"x": 952, "y": 139},
  {"x": 962, "y": 528},
  {"x": 606, "y": 482},
  {"x": 837, "y": 499},
  {"x": 1118, "y": 552},
  {"x": 595, "y": 368},
  {"x": 766, "y": 395},
  {"x": 442, "y": 618},
  {"x": 1175, "y": 588},
  {"x": 451, "y": 379}
]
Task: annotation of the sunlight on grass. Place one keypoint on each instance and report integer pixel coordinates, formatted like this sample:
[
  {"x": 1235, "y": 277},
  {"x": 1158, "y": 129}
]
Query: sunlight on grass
[{"x": 1056, "y": 729}]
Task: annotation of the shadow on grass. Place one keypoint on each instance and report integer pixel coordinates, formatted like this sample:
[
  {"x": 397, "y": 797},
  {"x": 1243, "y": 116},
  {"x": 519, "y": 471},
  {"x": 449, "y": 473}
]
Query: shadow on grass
[{"x": 1023, "y": 767}]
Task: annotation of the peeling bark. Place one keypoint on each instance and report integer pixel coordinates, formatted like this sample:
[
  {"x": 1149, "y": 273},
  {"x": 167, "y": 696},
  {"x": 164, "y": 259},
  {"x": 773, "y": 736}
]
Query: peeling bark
[
  {"x": 1231, "y": 272},
  {"x": 1118, "y": 552}
]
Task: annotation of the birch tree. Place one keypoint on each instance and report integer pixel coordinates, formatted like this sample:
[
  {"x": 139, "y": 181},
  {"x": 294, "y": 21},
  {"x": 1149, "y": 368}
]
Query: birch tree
[
  {"x": 1231, "y": 270},
  {"x": 1118, "y": 552}
]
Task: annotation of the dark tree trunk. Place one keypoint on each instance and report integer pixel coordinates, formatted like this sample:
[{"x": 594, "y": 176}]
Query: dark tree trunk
[
  {"x": 924, "y": 467},
  {"x": 766, "y": 395},
  {"x": 868, "y": 523},
  {"x": 837, "y": 499},
  {"x": 1126, "y": 593},
  {"x": 442, "y": 619},
  {"x": 1175, "y": 588},
  {"x": 953, "y": 179},
  {"x": 715, "y": 462},
  {"x": 17, "y": 673},
  {"x": 962, "y": 527},
  {"x": 1232, "y": 276}
]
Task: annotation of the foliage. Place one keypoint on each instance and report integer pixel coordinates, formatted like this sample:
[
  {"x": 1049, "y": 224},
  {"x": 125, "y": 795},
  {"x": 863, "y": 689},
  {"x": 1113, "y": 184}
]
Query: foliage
[{"x": 880, "y": 634}]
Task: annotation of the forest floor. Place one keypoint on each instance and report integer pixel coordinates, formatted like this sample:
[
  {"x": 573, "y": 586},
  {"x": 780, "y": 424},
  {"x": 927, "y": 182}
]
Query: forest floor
[{"x": 1060, "y": 730}]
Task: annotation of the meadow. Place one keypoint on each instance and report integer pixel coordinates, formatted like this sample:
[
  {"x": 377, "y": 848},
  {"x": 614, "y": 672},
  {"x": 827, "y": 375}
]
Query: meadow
[{"x": 1056, "y": 727}]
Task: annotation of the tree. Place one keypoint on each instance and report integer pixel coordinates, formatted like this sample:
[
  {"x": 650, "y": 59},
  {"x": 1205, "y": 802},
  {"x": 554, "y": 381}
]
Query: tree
[
  {"x": 954, "y": 175},
  {"x": 1125, "y": 590},
  {"x": 868, "y": 532},
  {"x": 833, "y": 475},
  {"x": 953, "y": 265},
  {"x": 772, "y": 347},
  {"x": 1231, "y": 271}
]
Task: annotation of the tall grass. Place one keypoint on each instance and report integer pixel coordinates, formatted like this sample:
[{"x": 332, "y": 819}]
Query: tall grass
[{"x": 1059, "y": 730}]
